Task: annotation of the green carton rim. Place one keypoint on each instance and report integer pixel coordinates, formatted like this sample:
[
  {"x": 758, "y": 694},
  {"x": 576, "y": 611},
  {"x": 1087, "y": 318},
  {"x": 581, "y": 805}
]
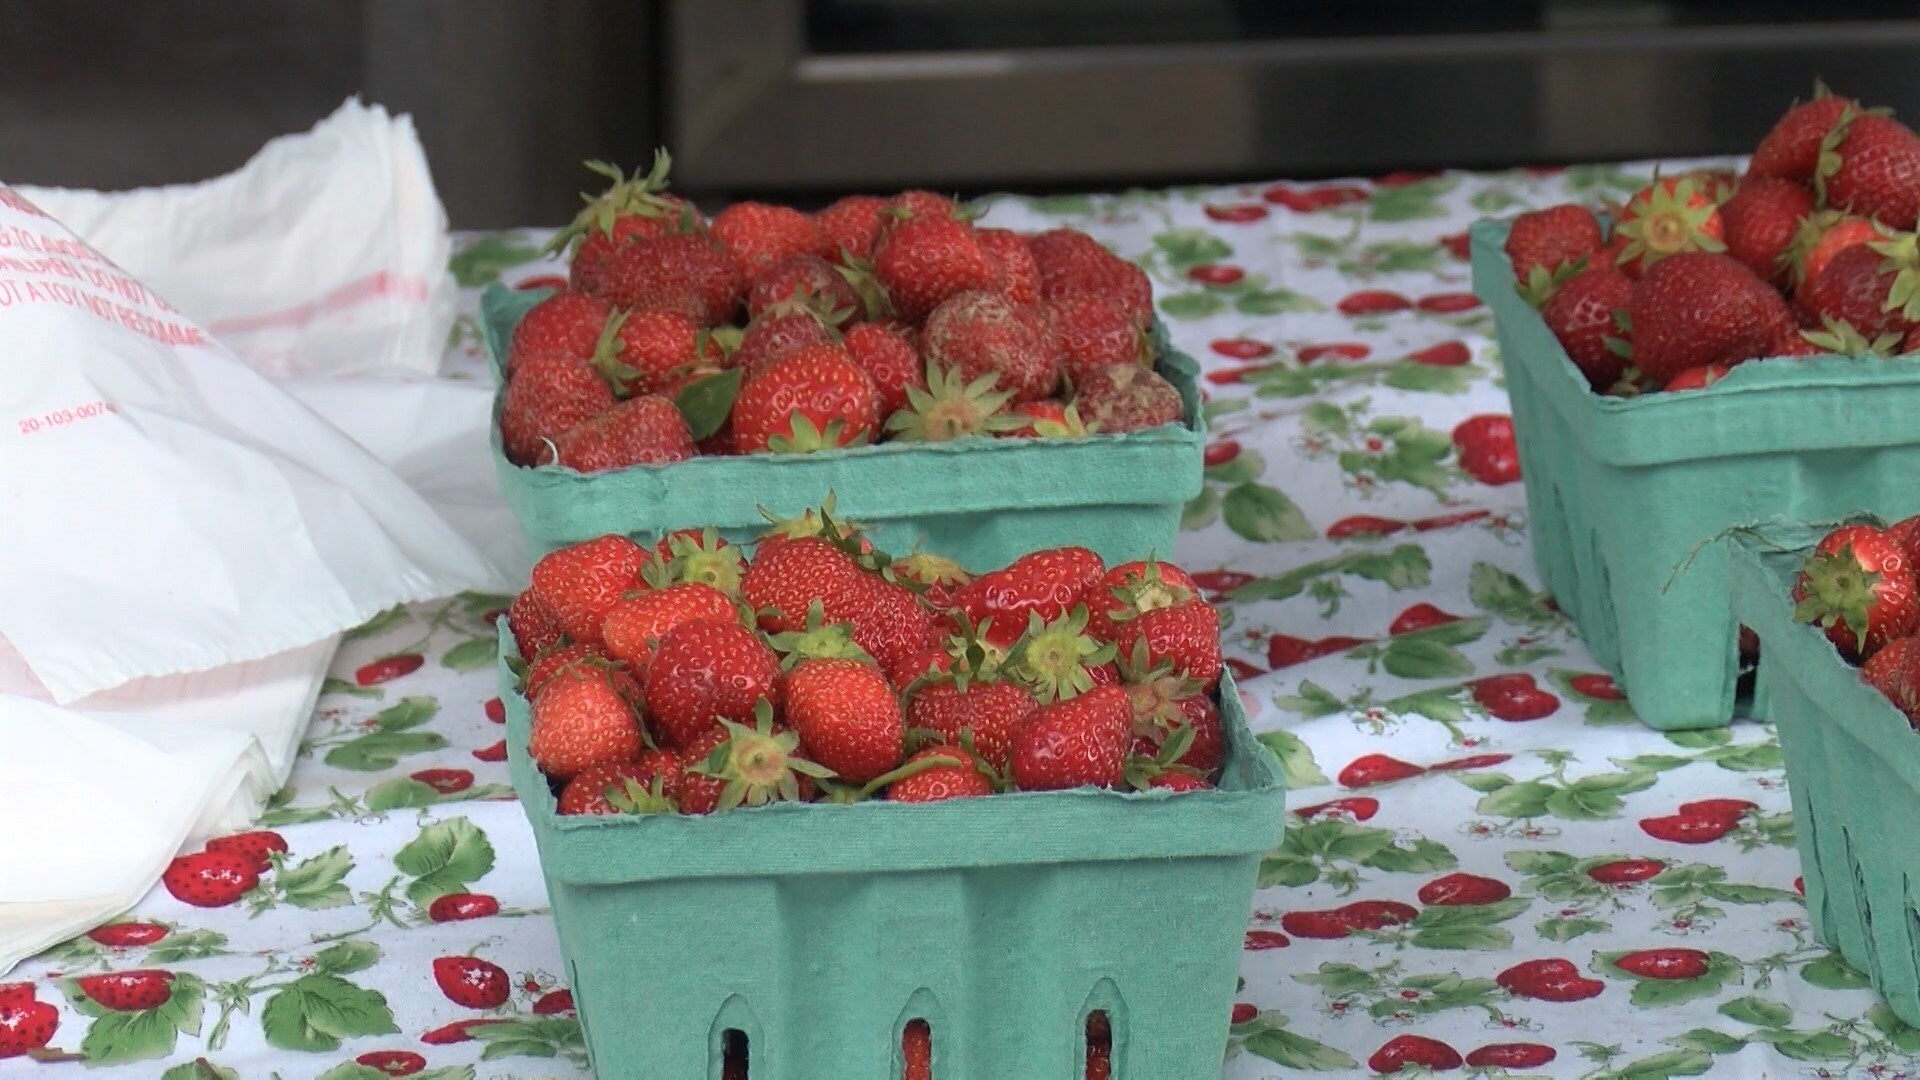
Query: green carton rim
[{"x": 1246, "y": 816}]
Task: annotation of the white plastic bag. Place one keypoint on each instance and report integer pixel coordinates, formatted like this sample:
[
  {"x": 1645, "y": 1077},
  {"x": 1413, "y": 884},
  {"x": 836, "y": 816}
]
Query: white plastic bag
[{"x": 326, "y": 254}]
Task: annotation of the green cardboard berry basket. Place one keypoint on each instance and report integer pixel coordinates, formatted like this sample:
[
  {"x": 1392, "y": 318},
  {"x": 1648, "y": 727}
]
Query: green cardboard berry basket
[
  {"x": 984, "y": 502},
  {"x": 1628, "y": 499},
  {"x": 820, "y": 931},
  {"x": 1853, "y": 768}
]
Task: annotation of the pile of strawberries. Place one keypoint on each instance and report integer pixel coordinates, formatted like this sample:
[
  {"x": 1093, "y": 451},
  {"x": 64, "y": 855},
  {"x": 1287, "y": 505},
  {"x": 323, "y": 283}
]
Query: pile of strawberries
[
  {"x": 687, "y": 677},
  {"x": 1811, "y": 252},
  {"x": 1859, "y": 586},
  {"x": 767, "y": 329}
]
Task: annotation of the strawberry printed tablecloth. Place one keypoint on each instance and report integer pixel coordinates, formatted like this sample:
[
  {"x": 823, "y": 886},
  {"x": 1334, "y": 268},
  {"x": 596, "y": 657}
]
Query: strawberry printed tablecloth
[{"x": 1492, "y": 860}]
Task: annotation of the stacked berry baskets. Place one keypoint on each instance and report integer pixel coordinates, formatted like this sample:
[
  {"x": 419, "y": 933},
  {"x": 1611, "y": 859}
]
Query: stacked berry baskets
[
  {"x": 978, "y": 390},
  {"x": 891, "y": 816}
]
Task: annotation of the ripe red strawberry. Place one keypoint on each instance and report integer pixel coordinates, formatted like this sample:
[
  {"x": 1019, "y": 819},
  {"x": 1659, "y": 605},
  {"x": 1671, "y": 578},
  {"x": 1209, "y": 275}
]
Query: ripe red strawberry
[
  {"x": 128, "y": 991},
  {"x": 210, "y": 879},
  {"x": 1761, "y": 221},
  {"x": 1184, "y": 635},
  {"x": 1906, "y": 533},
  {"x": 736, "y": 765},
  {"x": 649, "y": 350},
  {"x": 580, "y": 583},
  {"x": 646, "y": 430},
  {"x": 1824, "y": 234},
  {"x": 1870, "y": 165},
  {"x": 1126, "y": 397},
  {"x": 589, "y": 791},
  {"x": 1075, "y": 743},
  {"x": 1581, "y": 315},
  {"x": 813, "y": 399},
  {"x": 760, "y": 234},
  {"x": 1019, "y": 274},
  {"x": 1135, "y": 587},
  {"x": 1093, "y": 332},
  {"x": 1858, "y": 586},
  {"x": 257, "y": 847},
  {"x": 983, "y": 333},
  {"x": 638, "y": 620},
  {"x": 707, "y": 671},
  {"x": 26, "y": 1025},
  {"x": 890, "y": 360},
  {"x": 1549, "y": 239},
  {"x": 534, "y": 628},
  {"x": 848, "y": 717},
  {"x": 682, "y": 272},
  {"x": 1791, "y": 150},
  {"x": 955, "y": 776},
  {"x": 582, "y": 719},
  {"x": 1046, "y": 420},
  {"x": 119, "y": 935},
  {"x": 1859, "y": 284},
  {"x": 778, "y": 332},
  {"x": 851, "y": 226},
  {"x": 784, "y": 579},
  {"x": 1072, "y": 262},
  {"x": 1669, "y": 217},
  {"x": 1044, "y": 583},
  {"x": 1697, "y": 308},
  {"x": 542, "y": 670},
  {"x": 630, "y": 209},
  {"x": 809, "y": 280},
  {"x": 923, "y": 260},
  {"x": 987, "y": 711},
  {"x": 472, "y": 983},
  {"x": 1892, "y": 671},
  {"x": 547, "y": 397},
  {"x": 569, "y": 323},
  {"x": 1699, "y": 378},
  {"x": 886, "y": 619}
]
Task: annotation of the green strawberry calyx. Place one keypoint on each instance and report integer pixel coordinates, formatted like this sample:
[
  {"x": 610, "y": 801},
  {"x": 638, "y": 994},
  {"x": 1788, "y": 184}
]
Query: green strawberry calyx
[
  {"x": 1837, "y": 591},
  {"x": 1053, "y": 659}
]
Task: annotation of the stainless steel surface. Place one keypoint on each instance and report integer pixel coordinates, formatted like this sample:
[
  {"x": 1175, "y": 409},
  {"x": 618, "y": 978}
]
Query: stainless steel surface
[{"x": 750, "y": 108}]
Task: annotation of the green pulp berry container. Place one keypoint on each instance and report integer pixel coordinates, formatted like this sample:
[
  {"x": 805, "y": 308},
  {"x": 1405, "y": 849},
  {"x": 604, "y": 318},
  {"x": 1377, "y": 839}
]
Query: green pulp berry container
[
  {"x": 1628, "y": 499},
  {"x": 820, "y": 931},
  {"x": 981, "y": 501},
  {"x": 1853, "y": 767}
]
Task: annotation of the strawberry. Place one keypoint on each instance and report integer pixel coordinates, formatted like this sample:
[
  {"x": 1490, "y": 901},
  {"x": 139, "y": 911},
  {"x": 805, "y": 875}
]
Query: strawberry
[
  {"x": 778, "y": 332},
  {"x": 889, "y": 359},
  {"x": 1420, "y": 1051},
  {"x": 735, "y": 765},
  {"x": 547, "y": 397},
  {"x": 1761, "y": 221},
  {"x": 593, "y": 789},
  {"x": 1554, "y": 980},
  {"x": 1858, "y": 587},
  {"x": 1669, "y": 217},
  {"x": 210, "y": 879},
  {"x": 759, "y": 235},
  {"x": 909, "y": 205},
  {"x": 1132, "y": 588},
  {"x": 639, "y": 619},
  {"x": 1696, "y": 308},
  {"x": 257, "y": 847},
  {"x": 940, "y": 575},
  {"x": 708, "y": 671},
  {"x": 649, "y": 350},
  {"x": 818, "y": 640},
  {"x": 988, "y": 712},
  {"x": 647, "y": 430},
  {"x": 1906, "y": 533},
  {"x": 569, "y": 323},
  {"x": 1093, "y": 332},
  {"x": 681, "y": 272},
  {"x": 699, "y": 557},
  {"x": 1891, "y": 671},
  {"x": 1019, "y": 275},
  {"x": 923, "y": 260},
  {"x": 579, "y": 584},
  {"x": 1044, "y": 583},
  {"x": 1548, "y": 240},
  {"x": 1208, "y": 751},
  {"x": 460, "y": 907},
  {"x": 1824, "y": 234},
  {"x": 118, "y": 935},
  {"x": 534, "y": 628},
  {"x": 542, "y": 670},
  {"x": 582, "y": 719},
  {"x": 127, "y": 991},
  {"x": 1075, "y": 743},
  {"x": 951, "y": 405},
  {"x": 1791, "y": 150},
  {"x": 472, "y": 983},
  {"x": 850, "y": 227},
  {"x": 1185, "y": 635},
  {"x": 809, "y": 280},
  {"x": 1072, "y": 262},
  {"x": 954, "y": 774},
  {"x": 1047, "y": 420},
  {"x": 983, "y": 333},
  {"x": 813, "y": 399},
  {"x": 26, "y": 1026},
  {"x": 1870, "y": 165},
  {"x": 630, "y": 209},
  {"x": 1699, "y": 378},
  {"x": 1126, "y": 397},
  {"x": 786, "y": 578},
  {"x": 1584, "y": 315},
  {"x": 1859, "y": 286},
  {"x": 1455, "y": 890},
  {"x": 847, "y": 716}
]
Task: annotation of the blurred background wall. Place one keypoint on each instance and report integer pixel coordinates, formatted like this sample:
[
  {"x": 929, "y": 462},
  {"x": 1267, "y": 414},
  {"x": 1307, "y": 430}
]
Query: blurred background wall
[{"x": 807, "y": 98}]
